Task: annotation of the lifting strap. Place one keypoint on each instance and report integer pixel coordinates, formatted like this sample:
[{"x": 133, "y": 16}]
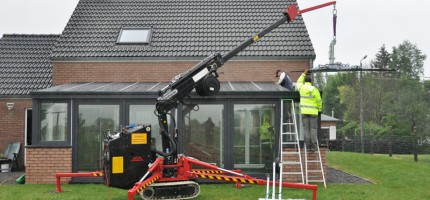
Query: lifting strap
[
  {"x": 334, "y": 20},
  {"x": 333, "y": 42}
]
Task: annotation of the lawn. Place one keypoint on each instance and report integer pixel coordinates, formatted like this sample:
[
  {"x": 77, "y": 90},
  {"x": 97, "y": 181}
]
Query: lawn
[{"x": 398, "y": 177}]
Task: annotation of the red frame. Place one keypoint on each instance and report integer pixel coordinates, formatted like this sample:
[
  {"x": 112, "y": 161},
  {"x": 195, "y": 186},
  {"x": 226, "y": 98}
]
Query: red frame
[{"x": 185, "y": 172}]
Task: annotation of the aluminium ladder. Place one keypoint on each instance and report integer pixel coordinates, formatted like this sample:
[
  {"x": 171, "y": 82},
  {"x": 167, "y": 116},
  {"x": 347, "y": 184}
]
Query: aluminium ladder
[
  {"x": 315, "y": 175},
  {"x": 289, "y": 146}
]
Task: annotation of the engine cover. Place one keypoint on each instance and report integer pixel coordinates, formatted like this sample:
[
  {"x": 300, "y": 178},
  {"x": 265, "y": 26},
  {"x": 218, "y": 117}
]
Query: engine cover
[{"x": 127, "y": 157}]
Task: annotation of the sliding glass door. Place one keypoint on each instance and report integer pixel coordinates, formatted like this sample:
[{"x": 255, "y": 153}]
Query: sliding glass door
[{"x": 94, "y": 122}]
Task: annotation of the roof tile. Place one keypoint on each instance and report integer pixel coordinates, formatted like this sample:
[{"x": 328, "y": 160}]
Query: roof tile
[
  {"x": 180, "y": 28},
  {"x": 24, "y": 63}
]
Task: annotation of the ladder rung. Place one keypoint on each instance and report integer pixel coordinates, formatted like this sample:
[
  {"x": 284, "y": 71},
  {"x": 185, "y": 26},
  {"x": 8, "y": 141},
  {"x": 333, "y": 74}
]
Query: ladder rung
[
  {"x": 291, "y": 163},
  {"x": 288, "y": 133},
  {"x": 290, "y": 152},
  {"x": 314, "y": 171},
  {"x": 289, "y": 142},
  {"x": 288, "y": 123},
  {"x": 292, "y": 173},
  {"x": 320, "y": 181},
  {"x": 313, "y": 161}
]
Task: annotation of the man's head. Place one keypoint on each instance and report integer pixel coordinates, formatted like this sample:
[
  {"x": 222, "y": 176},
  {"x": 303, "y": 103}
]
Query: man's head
[
  {"x": 278, "y": 72},
  {"x": 308, "y": 79}
]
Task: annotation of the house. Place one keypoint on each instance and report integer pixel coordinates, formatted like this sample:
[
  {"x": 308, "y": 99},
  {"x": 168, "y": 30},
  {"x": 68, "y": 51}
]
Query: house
[
  {"x": 104, "y": 78},
  {"x": 25, "y": 66},
  {"x": 328, "y": 128}
]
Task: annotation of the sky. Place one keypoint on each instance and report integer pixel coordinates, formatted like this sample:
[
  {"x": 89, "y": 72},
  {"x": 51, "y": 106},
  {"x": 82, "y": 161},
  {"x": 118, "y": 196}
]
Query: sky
[{"x": 362, "y": 26}]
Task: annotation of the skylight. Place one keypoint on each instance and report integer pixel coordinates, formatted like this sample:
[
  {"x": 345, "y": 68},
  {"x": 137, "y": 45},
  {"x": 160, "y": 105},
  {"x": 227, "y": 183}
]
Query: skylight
[{"x": 134, "y": 36}]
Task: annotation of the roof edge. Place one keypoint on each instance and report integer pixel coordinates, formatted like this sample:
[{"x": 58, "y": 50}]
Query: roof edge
[{"x": 137, "y": 59}]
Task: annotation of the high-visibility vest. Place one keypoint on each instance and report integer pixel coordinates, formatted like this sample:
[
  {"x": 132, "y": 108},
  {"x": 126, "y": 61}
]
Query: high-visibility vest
[
  {"x": 310, "y": 98},
  {"x": 266, "y": 129}
]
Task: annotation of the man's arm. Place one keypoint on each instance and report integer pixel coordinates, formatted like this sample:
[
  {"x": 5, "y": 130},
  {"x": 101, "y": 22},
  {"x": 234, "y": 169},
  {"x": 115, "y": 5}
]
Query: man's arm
[
  {"x": 318, "y": 100},
  {"x": 281, "y": 78},
  {"x": 301, "y": 81}
]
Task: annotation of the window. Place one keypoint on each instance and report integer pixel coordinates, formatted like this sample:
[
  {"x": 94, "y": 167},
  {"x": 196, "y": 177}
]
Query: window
[
  {"x": 134, "y": 36},
  {"x": 203, "y": 133},
  {"x": 94, "y": 123},
  {"x": 53, "y": 123},
  {"x": 253, "y": 137}
]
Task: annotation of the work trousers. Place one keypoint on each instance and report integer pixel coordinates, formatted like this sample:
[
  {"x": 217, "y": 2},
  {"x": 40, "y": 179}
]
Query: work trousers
[{"x": 310, "y": 130}]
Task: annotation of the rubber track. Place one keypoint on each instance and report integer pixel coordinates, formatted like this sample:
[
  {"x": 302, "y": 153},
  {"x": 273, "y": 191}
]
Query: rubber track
[{"x": 179, "y": 183}]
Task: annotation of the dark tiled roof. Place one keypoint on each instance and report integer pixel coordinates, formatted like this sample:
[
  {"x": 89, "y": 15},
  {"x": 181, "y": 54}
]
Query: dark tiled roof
[
  {"x": 25, "y": 63},
  {"x": 182, "y": 28}
]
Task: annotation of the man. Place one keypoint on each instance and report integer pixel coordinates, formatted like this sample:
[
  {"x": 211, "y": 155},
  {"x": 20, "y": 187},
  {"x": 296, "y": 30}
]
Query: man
[
  {"x": 310, "y": 106},
  {"x": 210, "y": 129},
  {"x": 266, "y": 136},
  {"x": 284, "y": 80}
]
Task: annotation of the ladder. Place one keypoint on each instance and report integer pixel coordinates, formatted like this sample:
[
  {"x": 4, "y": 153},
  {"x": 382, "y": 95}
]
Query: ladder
[
  {"x": 289, "y": 147},
  {"x": 315, "y": 175}
]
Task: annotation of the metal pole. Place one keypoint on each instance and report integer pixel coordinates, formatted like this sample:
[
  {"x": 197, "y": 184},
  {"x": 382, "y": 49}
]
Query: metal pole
[
  {"x": 390, "y": 143},
  {"x": 361, "y": 104},
  {"x": 415, "y": 145}
]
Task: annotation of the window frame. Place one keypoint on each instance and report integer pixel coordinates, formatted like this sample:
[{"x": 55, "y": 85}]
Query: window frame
[
  {"x": 149, "y": 29},
  {"x": 37, "y": 133}
]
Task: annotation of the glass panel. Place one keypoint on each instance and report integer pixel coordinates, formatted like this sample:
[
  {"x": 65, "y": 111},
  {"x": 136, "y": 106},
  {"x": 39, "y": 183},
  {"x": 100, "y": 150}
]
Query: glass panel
[
  {"x": 203, "y": 135},
  {"x": 94, "y": 121},
  {"x": 134, "y": 36},
  {"x": 253, "y": 139},
  {"x": 144, "y": 114},
  {"x": 53, "y": 122}
]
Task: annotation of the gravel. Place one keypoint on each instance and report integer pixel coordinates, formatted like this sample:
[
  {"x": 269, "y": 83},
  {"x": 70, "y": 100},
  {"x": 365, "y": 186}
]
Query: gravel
[
  {"x": 9, "y": 178},
  {"x": 334, "y": 176}
]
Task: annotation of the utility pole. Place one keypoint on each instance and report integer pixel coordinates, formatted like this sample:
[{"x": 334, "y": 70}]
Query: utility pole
[{"x": 361, "y": 104}]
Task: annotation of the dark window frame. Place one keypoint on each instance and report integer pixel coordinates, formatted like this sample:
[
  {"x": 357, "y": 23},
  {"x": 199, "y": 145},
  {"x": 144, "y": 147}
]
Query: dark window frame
[
  {"x": 92, "y": 101},
  {"x": 36, "y": 136}
]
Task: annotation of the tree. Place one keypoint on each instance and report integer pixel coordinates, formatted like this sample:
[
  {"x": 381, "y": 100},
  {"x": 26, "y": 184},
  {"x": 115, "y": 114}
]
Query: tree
[
  {"x": 410, "y": 106},
  {"x": 382, "y": 59},
  {"x": 331, "y": 100},
  {"x": 408, "y": 60}
]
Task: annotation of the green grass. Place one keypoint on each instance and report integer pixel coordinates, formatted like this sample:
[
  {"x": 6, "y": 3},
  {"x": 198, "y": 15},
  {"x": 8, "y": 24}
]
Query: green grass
[{"x": 398, "y": 177}]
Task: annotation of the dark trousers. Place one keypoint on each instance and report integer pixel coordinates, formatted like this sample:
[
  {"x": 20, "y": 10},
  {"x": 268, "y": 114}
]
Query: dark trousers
[{"x": 310, "y": 130}]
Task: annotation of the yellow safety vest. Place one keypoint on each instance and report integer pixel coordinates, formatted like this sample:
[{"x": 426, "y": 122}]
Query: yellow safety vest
[{"x": 310, "y": 98}]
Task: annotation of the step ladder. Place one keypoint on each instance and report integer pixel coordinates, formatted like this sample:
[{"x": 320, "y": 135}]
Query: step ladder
[
  {"x": 315, "y": 175},
  {"x": 291, "y": 161}
]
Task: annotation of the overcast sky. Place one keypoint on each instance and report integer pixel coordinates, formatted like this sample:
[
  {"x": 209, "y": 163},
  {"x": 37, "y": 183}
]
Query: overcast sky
[{"x": 362, "y": 26}]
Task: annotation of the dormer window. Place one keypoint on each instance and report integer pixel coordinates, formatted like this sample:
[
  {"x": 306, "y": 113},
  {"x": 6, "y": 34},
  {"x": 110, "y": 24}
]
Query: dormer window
[{"x": 134, "y": 36}]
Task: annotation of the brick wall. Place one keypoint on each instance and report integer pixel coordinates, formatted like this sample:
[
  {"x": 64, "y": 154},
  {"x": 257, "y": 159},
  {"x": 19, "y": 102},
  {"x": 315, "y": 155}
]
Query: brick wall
[
  {"x": 44, "y": 163},
  {"x": 12, "y": 124},
  {"x": 327, "y": 124},
  {"x": 258, "y": 71},
  {"x": 296, "y": 168}
]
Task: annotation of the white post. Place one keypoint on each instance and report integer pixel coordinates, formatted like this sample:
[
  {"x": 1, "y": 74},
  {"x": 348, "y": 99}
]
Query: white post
[
  {"x": 280, "y": 181},
  {"x": 267, "y": 186},
  {"x": 273, "y": 181}
]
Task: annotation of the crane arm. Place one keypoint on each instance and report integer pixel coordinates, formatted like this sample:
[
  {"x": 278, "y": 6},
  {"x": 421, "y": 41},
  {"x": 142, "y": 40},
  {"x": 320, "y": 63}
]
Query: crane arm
[{"x": 204, "y": 78}]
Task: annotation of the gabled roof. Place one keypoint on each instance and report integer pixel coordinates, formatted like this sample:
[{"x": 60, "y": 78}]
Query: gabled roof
[
  {"x": 25, "y": 63},
  {"x": 182, "y": 28},
  {"x": 327, "y": 118}
]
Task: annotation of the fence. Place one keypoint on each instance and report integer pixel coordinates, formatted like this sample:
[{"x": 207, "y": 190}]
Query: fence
[{"x": 382, "y": 145}]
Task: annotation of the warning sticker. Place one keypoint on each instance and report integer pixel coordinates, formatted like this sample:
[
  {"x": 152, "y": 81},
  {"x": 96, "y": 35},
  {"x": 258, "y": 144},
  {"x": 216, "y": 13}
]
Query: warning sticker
[
  {"x": 139, "y": 138},
  {"x": 117, "y": 165}
]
